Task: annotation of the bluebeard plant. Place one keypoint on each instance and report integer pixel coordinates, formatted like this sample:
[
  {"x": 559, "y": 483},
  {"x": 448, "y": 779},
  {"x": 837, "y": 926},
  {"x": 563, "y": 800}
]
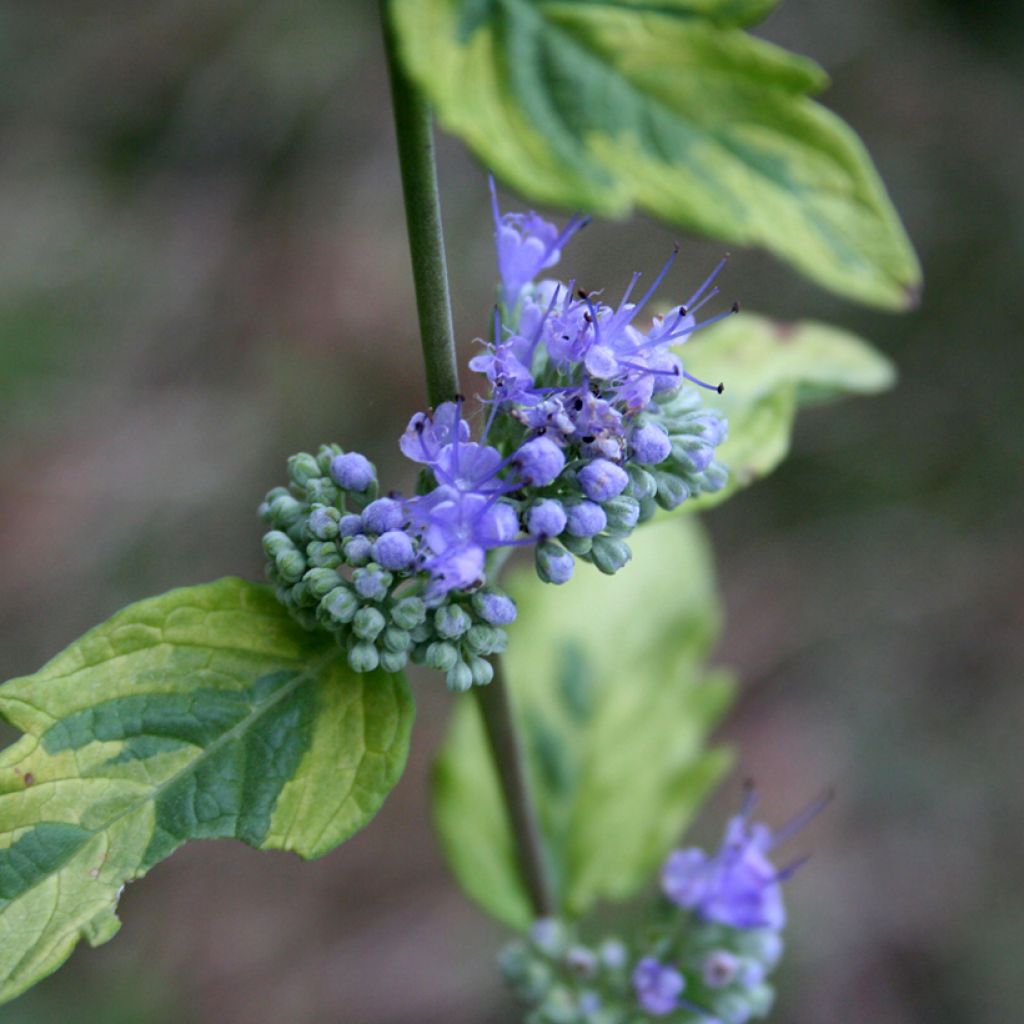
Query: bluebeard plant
[
  {"x": 589, "y": 424},
  {"x": 706, "y": 959}
]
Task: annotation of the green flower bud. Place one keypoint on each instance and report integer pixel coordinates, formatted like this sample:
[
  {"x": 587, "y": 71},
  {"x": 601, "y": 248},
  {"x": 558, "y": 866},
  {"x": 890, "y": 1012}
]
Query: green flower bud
[
  {"x": 285, "y": 510},
  {"x": 323, "y": 554},
  {"x": 483, "y": 639},
  {"x": 321, "y": 491},
  {"x": 554, "y": 564},
  {"x": 451, "y": 622},
  {"x": 648, "y": 507},
  {"x": 623, "y": 514},
  {"x": 275, "y": 543},
  {"x": 302, "y": 468},
  {"x": 368, "y": 623},
  {"x": 760, "y": 999},
  {"x": 325, "y": 453},
  {"x": 290, "y": 566},
  {"x": 421, "y": 633},
  {"x": 306, "y": 618},
  {"x": 356, "y": 550},
  {"x": 408, "y": 612},
  {"x": 672, "y": 491},
  {"x": 641, "y": 483},
  {"x": 396, "y": 640},
  {"x": 340, "y": 605},
  {"x": 363, "y": 656},
  {"x": 441, "y": 655},
  {"x": 459, "y": 677},
  {"x": 418, "y": 654},
  {"x": 301, "y": 597},
  {"x": 610, "y": 554},
  {"x": 716, "y": 476},
  {"x": 577, "y": 545},
  {"x": 393, "y": 661},
  {"x": 481, "y": 671},
  {"x": 320, "y": 582}
]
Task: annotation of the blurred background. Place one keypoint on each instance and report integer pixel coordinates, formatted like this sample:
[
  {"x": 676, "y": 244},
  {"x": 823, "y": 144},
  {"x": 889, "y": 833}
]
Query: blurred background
[{"x": 204, "y": 269}]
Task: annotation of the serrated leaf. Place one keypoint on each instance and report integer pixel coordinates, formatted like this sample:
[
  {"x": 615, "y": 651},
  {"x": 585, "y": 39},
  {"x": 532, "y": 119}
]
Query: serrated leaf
[
  {"x": 203, "y": 713},
  {"x": 603, "y": 106},
  {"x": 615, "y": 704},
  {"x": 771, "y": 369}
]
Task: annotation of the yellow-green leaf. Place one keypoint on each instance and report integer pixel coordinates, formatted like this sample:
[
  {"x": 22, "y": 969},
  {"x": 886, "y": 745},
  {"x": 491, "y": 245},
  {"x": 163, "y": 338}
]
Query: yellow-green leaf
[
  {"x": 203, "y": 713},
  {"x": 670, "y": 107},
  {"x": 615, "y": 704}
]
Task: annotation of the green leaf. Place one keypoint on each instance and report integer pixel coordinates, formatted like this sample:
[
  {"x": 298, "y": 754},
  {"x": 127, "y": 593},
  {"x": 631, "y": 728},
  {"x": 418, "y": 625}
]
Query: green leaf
[
  {"x": 615, "y": 704},
  {"x": 204, "y": 713},
  {"x": 770, "y": 370},
  {"x": 608, "y": 105}
]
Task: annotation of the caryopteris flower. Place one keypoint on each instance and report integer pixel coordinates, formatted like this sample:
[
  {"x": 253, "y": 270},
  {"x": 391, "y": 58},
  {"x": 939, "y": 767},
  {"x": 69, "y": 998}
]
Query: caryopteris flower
[
  {"x": 589, "y": 423},
  {"x": 705, "y": 959}
]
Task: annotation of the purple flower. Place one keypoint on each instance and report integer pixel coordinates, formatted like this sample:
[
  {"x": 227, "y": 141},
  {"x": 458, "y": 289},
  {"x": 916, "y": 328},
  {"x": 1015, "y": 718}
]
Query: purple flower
[
  {"x": 739, "y": 886},
  {"x": 602, "y": 480},
  {"x": 494, "y": 608},
  {"x": 526, "y": 244},
  {"x": 427, "y": 434},
  {"x": 352, "y": 471},
  {"x": 650, "y": 444},
  {"x": 554, "y": 563},
  {"x": 657, "y": 986}
]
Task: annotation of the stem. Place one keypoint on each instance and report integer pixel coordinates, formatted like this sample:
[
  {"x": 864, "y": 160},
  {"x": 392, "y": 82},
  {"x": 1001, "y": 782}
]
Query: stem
[
  {"x": 414, "y": 128},
  {"x": 495, "y": 705}
]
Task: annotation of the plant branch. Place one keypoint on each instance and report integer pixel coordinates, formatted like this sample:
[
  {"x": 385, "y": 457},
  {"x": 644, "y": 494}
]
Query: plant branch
[
  {"x": 506, "y": 748},
  {"x": 414, "y": 129}
]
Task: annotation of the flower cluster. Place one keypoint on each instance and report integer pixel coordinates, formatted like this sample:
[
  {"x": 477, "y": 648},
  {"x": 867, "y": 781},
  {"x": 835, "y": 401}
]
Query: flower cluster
[
  {"x": 589, "y": 424},
  {"x": 706, "y": 961}
]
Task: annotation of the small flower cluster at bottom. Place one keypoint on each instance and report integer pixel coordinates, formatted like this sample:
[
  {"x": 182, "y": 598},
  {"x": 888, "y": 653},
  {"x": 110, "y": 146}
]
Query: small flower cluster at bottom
[
  {"x": 706, "y": 960},
  {"x": 340, "y": 559}
]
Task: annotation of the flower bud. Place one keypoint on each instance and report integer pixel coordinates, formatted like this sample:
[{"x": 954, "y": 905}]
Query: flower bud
[
  {"x": 585, "y": 519},
  {"x": 459, "y": 677},
  {"x": 494, "y": 607},
  {"x": 285, "y": 510},
  {"x": 546, "y": 518},
  {"x": 451, "y": 622},
  {"x": 393, "y": 661},
  {"x": 610, "y": 554},
  {"x": 363, "y": 656},
  {"x": 382, "y": 515},
  {"x": 579, "y": 546},
  {"x": 582, "y": 962},
  {"x": 613, "y": 954},
  {"x": 539, "y": 462},
  {"x": 720, "y": 968},
  {"x": 672, "y": 491},
  {"x": 325, "y": 454},
  {"x": 323, "y": 554},
  {"x": 623, "y": 514},
  {"x": 602, "y": 480},
  {"x": 320, "y": 582},
  {"x": 321, "y": 491},
  {"x": 372, "y": 582},
  {"x": 554, "y": 563},
  {"x": 340, "y": 605},
  {"x": 353, "y": 472},
  {"x": 350, "y": 525},
  {"x": 368, "y": 624},
  {"x": 302, "y": 468},
  {"x": 290, "y": 566},
  {"x": 641, "y": 483},
  {"x": 648, "y": 509},
  {"x": 322, "y": 523},
  {"x": 275, "y": 543},
  {"x": 394, "y": 550},
  {"x": 650, "y": 444},
  {"x": 486, "y": 640},
  {"x": 357, "y": 549},
  {"x": 408, "y": 612},
  {"x": 548, "y": 936},
  {"x": 397, "y": 640},
  {"x": 481, "y": 671},
  {"x": 441, "y": 656}
]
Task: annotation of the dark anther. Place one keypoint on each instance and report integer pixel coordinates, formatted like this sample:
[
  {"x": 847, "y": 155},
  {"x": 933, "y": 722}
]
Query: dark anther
[
  {"x": 682, "y": 311},
  {"x": 595, "y": 388},
  {"x": 421, "y": 425},
  {"x": 577, "y": 404},
  {"x": 589, "y": 439},
  {"x": 459, "y": 398},
  {"x": 541, "y": 430},
  {"x": 581, "y": 293},
  {"x": 720, "y": 389},
  {"x": 588, "y": 318},
  {"x": 735, "y": 307}
]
